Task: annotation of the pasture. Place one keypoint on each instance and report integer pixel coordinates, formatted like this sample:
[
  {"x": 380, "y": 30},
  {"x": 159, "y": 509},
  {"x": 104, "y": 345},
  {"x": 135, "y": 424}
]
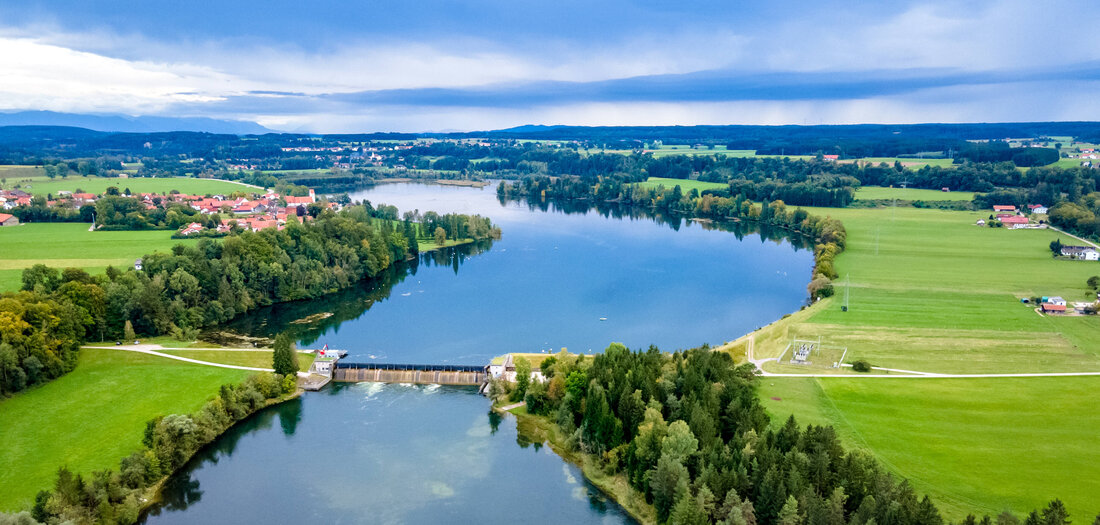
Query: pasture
[
  {"x": 98, "y": 185},
  {"x": 868, "y": 193},
  {"x": 94, "y": 416},
  {"x": 250, "y": 358},
  {"x": 64, "y": 245},
  {"x": 974, "y": 445},
  {"x": 930, "y": 291},
  {"x": 685, "y": 185}
]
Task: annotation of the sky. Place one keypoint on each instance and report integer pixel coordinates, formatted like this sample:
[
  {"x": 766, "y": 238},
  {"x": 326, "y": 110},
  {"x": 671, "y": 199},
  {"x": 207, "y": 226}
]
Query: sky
[{"x": 437, "y": 65}]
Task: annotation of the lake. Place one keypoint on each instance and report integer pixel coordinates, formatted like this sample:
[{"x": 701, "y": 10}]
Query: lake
[{"x": 404, "y": 454}]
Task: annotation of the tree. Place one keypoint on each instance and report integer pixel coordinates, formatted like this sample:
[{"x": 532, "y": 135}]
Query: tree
[
  {"x": 663, "y": 480},
  {"x": 284, "y": 358},
  {"x": 1093, "y": 282},
  {"x": 788, "y": 515},
  {"x": 523, "y": 378},
  {"x": 440, "y": 236},
  {"x": 688, "y": 511},
  {"x": 680, "y": 442},
  {"x": 1056, "y": 513},
  {"x": 1056, "y": 246}
]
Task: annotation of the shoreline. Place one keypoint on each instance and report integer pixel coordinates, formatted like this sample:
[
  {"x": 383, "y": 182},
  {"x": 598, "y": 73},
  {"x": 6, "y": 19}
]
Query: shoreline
[
  {"x": 614, "y": 486},
  {"x": 153, "y": 493}
]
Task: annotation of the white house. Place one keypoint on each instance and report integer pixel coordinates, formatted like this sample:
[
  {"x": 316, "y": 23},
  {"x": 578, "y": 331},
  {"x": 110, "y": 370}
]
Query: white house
[
  {"x": 1056, "y": 301},
  {"x": 1084, "y": 253}
]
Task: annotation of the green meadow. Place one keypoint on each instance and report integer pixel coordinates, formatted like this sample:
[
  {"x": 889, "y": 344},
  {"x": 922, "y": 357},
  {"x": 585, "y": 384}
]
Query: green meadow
[
  {"x": 97, "y": 185},
  {"x": 911, "y": 194},
  {"x": 64, "y": 245},
  {"x": 94, "y": 416},
  {"x": 975, "y": 445},
  {"x": 685, "y": 185},
  {"x": 930, "y": 291},
  {"x": 250, "y": 358}
]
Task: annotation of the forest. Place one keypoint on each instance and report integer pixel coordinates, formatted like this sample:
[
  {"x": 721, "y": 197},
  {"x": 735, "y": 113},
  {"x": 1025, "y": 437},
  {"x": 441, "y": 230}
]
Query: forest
[{"x": 687, "y": 430}]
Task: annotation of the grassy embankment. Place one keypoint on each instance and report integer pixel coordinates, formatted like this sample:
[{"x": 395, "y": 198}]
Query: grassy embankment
[
  {"x": 62, "y": 245},
  {"x": 931, "y": 292},
  {"x": 94, "y": 416}
]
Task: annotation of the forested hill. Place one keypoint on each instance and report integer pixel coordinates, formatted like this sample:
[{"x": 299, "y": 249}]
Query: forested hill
[{"x": 848, "y": 140}]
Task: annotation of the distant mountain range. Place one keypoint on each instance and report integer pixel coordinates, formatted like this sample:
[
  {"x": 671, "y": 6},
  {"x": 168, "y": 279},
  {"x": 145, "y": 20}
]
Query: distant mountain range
[{"x": 128, "y": 124}]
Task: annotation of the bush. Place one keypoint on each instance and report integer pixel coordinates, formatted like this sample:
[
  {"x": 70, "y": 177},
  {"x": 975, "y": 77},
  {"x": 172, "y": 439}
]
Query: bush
[{"x": 861, "y": 366}]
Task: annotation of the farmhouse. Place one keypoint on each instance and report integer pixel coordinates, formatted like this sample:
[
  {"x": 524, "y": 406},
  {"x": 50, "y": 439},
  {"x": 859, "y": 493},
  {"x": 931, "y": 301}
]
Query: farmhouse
[
  {"x": 1085, "y": 253},
  {"x": 1013, "y": 221},
  {"x": 831, "y": 158},
  {"x": 1037, "y": 208},
  {"x": 1003, "y": 207},
  {"x": 1055, "y": 300},
  {"x": 7, "y": 219},
  {"x": 1054, "y": 308}
]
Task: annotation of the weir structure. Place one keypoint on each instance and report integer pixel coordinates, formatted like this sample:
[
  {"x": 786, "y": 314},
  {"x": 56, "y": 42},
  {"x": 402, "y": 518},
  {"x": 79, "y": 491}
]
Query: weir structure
[{"x": 417, "y": 374}]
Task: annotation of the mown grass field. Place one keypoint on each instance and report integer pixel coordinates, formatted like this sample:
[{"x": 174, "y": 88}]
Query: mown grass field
[
  {"x": 64, "y": 245},
  {"x": 911, "y": 194},
  {"x": 685, "y": 185},
  {"x": 975, "y": 445},
  {"x": 255, "y": 359},
  {"x": 15, "y": 172},
  {"x": 98, "y": 185},
  {"x": 932, "y": 292},
  {"x": 94, "y": 416}
]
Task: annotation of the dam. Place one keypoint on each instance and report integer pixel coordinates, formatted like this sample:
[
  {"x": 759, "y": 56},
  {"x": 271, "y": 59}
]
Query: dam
[{"x": 410, "y": 373}]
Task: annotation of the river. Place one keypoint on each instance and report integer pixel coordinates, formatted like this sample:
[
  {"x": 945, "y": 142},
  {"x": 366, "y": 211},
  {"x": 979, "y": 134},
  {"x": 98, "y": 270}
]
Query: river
[{"x": 404, "y": 454}]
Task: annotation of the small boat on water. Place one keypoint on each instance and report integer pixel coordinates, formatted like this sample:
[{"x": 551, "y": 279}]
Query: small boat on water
[{"x": 603, "y": 318}]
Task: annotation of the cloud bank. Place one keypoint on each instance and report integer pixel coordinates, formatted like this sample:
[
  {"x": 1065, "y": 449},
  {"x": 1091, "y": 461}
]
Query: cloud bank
[{"x": 421, "y": 66}]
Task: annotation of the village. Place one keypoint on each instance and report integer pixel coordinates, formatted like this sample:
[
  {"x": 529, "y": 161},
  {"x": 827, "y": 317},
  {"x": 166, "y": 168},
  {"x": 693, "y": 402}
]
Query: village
[{"x": 255, "y": 212}]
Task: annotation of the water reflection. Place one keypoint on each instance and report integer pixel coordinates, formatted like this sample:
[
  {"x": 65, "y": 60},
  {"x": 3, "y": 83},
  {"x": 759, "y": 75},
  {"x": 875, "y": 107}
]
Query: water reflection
[
  {"x": 613, "y": 210},
  {"x": 373, "y": 453},
  {"x": 307, "y": 320}
]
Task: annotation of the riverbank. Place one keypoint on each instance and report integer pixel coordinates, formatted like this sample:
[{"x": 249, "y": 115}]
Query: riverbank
[
  {"x": 169, "y": 441},
  {"x": 539, "y": 429},
  {"x": 154, "y": 494}
]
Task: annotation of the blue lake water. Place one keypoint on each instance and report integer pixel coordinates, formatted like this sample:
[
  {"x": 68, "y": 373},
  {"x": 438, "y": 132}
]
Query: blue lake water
[{"x": 401, "y": 454}]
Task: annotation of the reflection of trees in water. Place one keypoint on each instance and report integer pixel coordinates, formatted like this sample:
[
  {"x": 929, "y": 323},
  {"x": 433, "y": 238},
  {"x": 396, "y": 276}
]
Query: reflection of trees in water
[
  {"x": 740, "y": 228},
  {"x": 290, "y": 414},
  {"x": 181, "y": 489},
  {"x": 494, "y": 422},
  {"x": 338, "y": 307}
]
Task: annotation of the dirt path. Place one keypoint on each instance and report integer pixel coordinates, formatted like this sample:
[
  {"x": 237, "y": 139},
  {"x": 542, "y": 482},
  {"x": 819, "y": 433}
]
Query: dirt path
[
  {"x": 513, "y": 405},
  {"x": 152, "y": 350}
]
